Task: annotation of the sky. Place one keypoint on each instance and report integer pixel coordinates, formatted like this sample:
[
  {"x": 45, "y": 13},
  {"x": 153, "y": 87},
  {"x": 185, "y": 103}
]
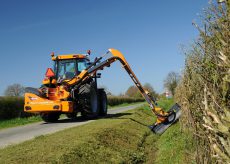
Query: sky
[{"x": 149, "y": 33}]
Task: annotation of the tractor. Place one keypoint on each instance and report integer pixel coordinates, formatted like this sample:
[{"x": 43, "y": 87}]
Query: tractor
[{"x": 71, "y": 87}]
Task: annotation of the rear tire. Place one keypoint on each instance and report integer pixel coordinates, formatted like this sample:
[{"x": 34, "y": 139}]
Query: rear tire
[
  {"x": 88, "y": 100},
  {"x": 50, "y": 117},
  {"x": 103, "y": 102}
]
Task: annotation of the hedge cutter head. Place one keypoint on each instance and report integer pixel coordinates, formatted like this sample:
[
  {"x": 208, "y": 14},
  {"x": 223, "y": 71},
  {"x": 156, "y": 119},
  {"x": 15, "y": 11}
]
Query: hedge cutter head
[{"x": 164, "y": 122}]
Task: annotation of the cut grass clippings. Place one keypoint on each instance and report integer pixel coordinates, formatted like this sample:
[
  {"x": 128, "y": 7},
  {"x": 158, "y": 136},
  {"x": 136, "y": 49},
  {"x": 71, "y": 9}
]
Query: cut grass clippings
[{"x": 120, "y": 138}]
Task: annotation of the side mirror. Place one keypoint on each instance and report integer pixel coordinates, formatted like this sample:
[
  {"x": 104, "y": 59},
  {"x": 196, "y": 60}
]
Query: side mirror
[
  {"x": 89, "y": 63},
  {"x": 98, "y": 75}
]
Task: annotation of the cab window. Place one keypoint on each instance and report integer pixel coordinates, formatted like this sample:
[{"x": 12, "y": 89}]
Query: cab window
[
  {"x": 66, "y": 69},
  {"x": 82, "y": 64}
]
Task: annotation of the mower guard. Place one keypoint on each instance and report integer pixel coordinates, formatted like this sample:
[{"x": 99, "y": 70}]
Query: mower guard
[
  {"x": 37, "y": 104},
  {"x": 161, "y": 127}
]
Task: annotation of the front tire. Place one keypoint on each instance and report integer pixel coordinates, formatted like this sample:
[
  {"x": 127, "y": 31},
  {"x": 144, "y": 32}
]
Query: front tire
[
  {"x": 103, "y": 102},
  {"x": 88, "y": 100}
]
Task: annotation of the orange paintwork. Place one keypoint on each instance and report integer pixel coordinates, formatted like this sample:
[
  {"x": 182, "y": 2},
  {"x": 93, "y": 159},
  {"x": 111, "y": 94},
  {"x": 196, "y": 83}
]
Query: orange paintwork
[
  {"x": 39, "y": 104},
  {"x": 81, "y": 76},
  {"x": 57, "y": 93},
  {"x": 70, "y": 56},
  {"x": 56, "y": 96},
  {"x": 160, "y": 111},
  {"x": 47, "y": 81}
]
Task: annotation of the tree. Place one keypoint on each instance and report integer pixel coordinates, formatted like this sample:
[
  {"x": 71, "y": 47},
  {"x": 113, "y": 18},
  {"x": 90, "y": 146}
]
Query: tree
[
  {"x": 133, "y": 91},
  {"x": 14, "y": 90},
  {"x": 171, "y": 81},
  {"x": 150, "y": 89}
]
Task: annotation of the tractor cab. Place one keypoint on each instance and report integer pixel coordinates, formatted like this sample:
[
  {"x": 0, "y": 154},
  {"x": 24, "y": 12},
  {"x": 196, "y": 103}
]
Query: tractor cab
[{"x": 66, "y": 67}]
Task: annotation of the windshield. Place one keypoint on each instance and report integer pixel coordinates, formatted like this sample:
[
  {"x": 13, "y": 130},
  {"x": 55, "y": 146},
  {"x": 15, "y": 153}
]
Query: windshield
[
  {"x": 66, "y": 69},
  {"x": 81, "y": 65}
]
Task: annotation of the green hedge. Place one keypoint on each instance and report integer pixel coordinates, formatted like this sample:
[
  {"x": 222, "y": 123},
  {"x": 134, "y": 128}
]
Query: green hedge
[
  {"x": 116, "y": 100},
  {"x": 12, "y": 107}
]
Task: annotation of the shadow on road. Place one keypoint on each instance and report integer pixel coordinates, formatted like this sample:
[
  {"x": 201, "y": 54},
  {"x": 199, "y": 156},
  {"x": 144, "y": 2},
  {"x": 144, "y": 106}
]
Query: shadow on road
[{"x": 117, "y": 115}]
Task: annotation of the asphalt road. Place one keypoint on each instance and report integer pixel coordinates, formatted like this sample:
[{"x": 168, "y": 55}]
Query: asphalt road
[{"x": 22, "y": 133}]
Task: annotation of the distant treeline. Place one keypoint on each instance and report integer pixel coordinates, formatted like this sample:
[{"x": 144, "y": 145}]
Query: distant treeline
[
  {"x": 116, "y": 100},
  {"x": 12, "y": 107}
]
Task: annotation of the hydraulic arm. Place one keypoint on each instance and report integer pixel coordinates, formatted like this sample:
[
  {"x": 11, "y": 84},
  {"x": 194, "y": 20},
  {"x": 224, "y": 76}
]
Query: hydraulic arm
[{"x": 164, "y": 119}]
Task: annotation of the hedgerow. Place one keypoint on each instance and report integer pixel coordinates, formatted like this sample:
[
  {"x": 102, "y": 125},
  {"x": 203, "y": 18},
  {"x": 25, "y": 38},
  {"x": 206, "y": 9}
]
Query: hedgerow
[{"x": 12, "y": 107}]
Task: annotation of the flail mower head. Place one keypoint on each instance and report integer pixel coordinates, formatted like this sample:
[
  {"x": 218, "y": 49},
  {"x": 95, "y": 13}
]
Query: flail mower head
[{"x": 173, "y": 115}]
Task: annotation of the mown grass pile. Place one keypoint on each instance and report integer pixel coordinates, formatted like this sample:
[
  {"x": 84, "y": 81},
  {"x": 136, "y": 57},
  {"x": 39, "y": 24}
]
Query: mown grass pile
[{"x": 119, "y": 138}]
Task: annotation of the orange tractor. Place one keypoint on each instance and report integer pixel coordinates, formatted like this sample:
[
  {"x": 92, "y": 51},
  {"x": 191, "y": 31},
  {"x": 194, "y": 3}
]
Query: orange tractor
[{"x": 71, "y": 87}]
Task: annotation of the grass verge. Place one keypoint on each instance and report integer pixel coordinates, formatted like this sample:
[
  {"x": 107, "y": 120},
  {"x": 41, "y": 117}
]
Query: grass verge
[
  {"x": 120, "y": 138},
  {"x": 124, "y": 105},
  {"x": 18, "y": 122},
  {"x": 23, "y": 121},
  {"x": 165, "y": 103}
]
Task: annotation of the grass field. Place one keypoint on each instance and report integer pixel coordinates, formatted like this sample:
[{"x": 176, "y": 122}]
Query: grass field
[{"x": 120, "y": 138}]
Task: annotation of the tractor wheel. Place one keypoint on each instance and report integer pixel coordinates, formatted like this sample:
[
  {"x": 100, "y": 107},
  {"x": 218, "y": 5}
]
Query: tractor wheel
[
  {"x": 50, "y": 117},
  {"x": 71, "y": 115},
  {"x": 102, "y": 102},
  {"x": 88, "y": 100}
]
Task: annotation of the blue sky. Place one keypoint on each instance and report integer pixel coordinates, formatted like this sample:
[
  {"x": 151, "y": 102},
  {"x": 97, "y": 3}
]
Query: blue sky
[{"x": 149, "y": 33}]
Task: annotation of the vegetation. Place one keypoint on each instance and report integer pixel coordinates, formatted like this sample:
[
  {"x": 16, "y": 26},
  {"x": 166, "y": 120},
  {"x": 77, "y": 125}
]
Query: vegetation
[
  {"x": 171, "y": 82},
  {"x": 175, "y": 146},
  {"x": 117, "y": 100},
  {"x": 133, "y": 91},
  {"x": 12, "y": 107},
  {"x": 124, "y": 105},
  {"x": 166, "y": 103},
  {"x": 204, "y": 91},
  {"x": 12, "y": 114},
  {"x": 14, "y": 90},
  {"x": 120, "y": 138},
  {"x": 19, "y": 121},
  {"x": 27, "y": 120}
]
